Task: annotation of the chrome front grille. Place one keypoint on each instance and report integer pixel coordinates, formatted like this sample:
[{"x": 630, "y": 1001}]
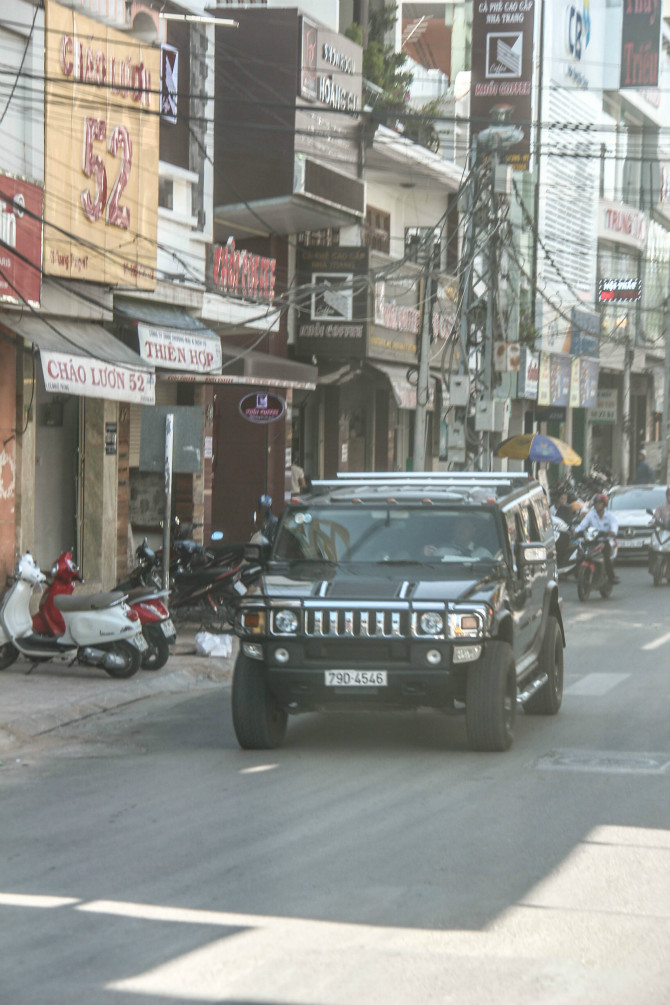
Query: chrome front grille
[{"x": 377, "y": 622}]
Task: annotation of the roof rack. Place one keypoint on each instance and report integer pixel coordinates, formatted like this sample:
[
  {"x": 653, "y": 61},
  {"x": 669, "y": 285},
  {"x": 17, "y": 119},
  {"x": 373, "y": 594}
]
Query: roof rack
[{"x": 428, "y": 479}]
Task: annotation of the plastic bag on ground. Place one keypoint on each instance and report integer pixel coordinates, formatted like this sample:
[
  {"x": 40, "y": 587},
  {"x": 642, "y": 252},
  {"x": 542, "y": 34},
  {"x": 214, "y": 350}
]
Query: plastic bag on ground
[{"x": 207, "y": 644}]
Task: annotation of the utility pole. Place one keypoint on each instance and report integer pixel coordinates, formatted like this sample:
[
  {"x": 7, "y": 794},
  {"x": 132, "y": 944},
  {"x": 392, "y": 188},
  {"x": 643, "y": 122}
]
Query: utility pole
[
  {"x": 665, "y": 428},
  {"x": 423, "y": 377}
]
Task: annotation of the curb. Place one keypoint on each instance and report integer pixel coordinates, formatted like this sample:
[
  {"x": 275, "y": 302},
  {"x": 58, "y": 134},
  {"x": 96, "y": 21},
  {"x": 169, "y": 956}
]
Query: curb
[{"x": 45, "y": 711}]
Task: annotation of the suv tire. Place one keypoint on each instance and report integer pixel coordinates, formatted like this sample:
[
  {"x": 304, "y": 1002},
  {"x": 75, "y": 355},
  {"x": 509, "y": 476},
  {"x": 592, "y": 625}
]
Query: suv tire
[
  {"x": 259, "y": 722},
  {"x": 547, "y": 700},
  {"x": 490, "y": 699}
]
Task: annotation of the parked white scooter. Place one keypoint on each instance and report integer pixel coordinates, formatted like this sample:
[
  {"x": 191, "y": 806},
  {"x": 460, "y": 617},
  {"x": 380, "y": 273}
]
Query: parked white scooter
[
  {"x": 659, "y": 551},
  {"x": 100, "y": 629}
]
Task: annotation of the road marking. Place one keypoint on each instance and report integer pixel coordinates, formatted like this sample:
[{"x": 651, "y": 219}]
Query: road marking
[
  {"x": 660, "y": 641},
  {"x": 596, "y": 683},
  {"x": 612, "y": 761}
]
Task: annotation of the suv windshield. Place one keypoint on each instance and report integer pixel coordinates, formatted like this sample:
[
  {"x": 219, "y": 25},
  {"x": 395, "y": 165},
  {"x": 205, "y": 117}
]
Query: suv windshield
[{"x": 360, "y": 533}]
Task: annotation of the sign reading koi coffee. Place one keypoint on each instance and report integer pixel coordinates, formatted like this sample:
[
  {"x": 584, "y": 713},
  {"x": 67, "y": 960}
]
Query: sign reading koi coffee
[
  {"x": 96, "y": 378},
  {"x": 262, "y": 407},
  {"x": 101, "y": 152}
]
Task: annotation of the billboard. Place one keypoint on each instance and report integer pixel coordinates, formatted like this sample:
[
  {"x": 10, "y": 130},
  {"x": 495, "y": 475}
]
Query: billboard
[
  {"x": 502, "y": 72},
  {"x": 640, "y": 44},
  {"x": 102, "y": 119},
  {"x": 20, "y": 241}
]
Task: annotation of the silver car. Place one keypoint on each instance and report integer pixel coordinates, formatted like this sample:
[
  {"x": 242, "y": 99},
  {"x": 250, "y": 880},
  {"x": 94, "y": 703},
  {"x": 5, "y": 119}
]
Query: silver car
[{"x": 630, "y": 504}]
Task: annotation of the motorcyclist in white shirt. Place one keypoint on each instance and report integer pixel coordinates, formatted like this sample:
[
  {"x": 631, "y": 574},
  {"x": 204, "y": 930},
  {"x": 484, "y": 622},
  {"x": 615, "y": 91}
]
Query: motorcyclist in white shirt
[{"x": 602, "y": 519}]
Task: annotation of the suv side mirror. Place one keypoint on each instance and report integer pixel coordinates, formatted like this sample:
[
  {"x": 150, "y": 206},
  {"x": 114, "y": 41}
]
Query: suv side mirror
[{"x": 532, "y": 553}]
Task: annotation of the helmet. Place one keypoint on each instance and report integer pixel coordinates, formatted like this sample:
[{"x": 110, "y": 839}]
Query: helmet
[
  {"x": 600, "y": 497},
  {"x": 265, "y": 501}
]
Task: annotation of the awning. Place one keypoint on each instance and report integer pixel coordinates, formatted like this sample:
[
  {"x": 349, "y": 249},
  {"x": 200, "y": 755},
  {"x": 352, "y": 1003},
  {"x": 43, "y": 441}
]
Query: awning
[
  {"x": 404, "y": 392},
  {"x": 257, "y": 369},
  {"x": 79, "y": 357},
  {"x": 170, "y": 338}
]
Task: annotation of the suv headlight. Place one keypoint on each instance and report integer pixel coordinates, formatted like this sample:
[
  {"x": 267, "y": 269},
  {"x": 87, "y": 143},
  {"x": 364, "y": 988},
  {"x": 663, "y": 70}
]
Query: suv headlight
[
  {"x": 465, "y": 625},
  {"x": 251, "y": 621},
  {"x": 285, "y": 622},
  {"x": 431, "y": 623}
]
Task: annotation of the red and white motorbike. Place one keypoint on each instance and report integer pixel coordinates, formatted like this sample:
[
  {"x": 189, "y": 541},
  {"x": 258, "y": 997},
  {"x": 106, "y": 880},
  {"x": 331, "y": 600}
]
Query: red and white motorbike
[{"x": 97, "y": 630}]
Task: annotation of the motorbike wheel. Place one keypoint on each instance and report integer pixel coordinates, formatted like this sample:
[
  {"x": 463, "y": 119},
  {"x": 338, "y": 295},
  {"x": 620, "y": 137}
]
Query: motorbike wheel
[
  {"x": 156, "y": 656},
  {"x": 131, "y": 656},
  {"x": 606, "y": 589},
  {"x": 8, "y": 654},
  {"x": 584, "y": 582},
  {"x": 659, "y": 571}
]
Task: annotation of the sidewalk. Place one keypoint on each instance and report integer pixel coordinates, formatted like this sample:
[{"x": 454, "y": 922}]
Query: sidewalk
[{"x": 52, "y": 694}]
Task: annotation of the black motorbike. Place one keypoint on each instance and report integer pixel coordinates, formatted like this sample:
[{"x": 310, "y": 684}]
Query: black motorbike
[{"x": 592, "y": 571}]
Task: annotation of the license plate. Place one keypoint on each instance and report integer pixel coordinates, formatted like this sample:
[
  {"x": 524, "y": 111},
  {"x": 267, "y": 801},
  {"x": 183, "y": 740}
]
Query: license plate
[
  {"x": 639, "y": 542},
  {"x": 168, "y": 628},
  {"x": 356, "y": 678},
  {"x": 139, "y": 642}
]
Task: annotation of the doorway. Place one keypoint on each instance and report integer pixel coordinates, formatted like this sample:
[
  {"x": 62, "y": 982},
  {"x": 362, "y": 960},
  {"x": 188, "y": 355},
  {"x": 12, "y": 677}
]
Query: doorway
[{"x": 57, "y": 461}]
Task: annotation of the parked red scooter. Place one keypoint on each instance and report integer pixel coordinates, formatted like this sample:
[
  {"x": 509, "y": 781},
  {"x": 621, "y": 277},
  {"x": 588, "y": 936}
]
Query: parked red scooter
[{"x": 146, "y": 605}]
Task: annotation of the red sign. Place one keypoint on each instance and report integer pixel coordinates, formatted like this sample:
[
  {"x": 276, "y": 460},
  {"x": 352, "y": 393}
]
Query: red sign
[
  {"x": 20, "y": 241},
  {"x": 241, "y": 273}
]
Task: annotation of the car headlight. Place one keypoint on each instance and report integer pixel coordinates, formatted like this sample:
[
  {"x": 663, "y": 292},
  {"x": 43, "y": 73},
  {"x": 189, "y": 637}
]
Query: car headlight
[
  {"x": 251, "y": 621},
  {"x": 465, "y": 625},
  {"x": 431, "y": 623},
  {"x": 285, "y": 622}
]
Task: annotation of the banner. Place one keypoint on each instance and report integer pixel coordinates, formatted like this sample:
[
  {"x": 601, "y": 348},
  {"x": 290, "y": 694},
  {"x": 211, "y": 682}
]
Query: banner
[
  {"x": 21, "y": 236},
  {"x": 502, "y": 73},
  {"x": 640, "y": 43},
  {"x": 101, "y": 121}
]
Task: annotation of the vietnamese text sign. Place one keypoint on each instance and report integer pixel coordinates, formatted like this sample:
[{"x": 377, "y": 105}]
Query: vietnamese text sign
[
  {"x": 96, "y": 378},
  {"x": 640, "y": 43},
  {"x": 179, "y": 350},
  {"x": 502, "y": 73},
  {"x": 21, "y": 235},
  {"x": 262, "y": 407},
  {"x": 619, "y": 291},
  {"x": 101, "y": 121},
  {"x": 605, "y": 410}
]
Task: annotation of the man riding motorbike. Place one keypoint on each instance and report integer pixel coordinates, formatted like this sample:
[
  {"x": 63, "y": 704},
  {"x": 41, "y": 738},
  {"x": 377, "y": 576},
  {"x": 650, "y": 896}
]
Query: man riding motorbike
[
  {"x": 603, "y": 520},
  {"x": 662, "y": 512}
]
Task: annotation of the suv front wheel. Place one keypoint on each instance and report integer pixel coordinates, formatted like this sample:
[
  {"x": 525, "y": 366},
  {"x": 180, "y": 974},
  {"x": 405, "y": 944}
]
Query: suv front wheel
[
  {"x": 259, "y": 722},
  {"x": 490, "y": 699}
]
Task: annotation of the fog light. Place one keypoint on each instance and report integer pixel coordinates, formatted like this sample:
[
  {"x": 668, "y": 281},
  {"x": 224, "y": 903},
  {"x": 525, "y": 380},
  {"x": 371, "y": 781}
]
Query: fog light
[
  {"x": 252, "y": 650},
  {"x": 281, "y": 655},
  {"x": 466, "y": 654},
  {"x": 433, "y": 656}
]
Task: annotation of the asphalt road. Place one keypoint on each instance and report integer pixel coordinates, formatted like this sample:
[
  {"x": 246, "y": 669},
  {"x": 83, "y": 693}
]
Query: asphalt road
[{"x": 373, "y": 859}]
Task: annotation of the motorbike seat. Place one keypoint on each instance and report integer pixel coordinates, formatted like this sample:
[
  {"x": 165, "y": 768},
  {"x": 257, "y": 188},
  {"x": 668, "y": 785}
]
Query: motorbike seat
[
  {"x": 144, "y": 593},
  {"x": 93, "y": 602}
]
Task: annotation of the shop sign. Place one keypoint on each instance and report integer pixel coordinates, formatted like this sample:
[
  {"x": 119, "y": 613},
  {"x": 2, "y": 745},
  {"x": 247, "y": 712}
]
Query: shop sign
[
  {"x": 619, "y": 291},
  {"x": 101, "y": 136},
  {"x": 242, "y": 274},
  {"x": 578, "y": 41},
  {"x": 544, "y": 380},
  {"x": 529, "y": 372},
  {"x": 96, "y": 378},
  {"x": 506, "y": 357},
  {"x": 640, "y": 43},
  {"x": 21, "y": 235},
  {"x": 262, "y": 407},
  {"x": 560, "y": 380},
  {"x": 328, "y": 70},
  {"x": 605, "y": 410},
  {"x": 502, "y": 73},
  {"x": 335, "y": 320},
  {"x": 179, "y": 350},
  {"x": 623, "y": 224},
  {"x": 585, "y": 333}
]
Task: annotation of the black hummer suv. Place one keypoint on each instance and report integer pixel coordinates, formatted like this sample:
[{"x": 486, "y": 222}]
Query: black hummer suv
[{"x": 394, "y": 591}]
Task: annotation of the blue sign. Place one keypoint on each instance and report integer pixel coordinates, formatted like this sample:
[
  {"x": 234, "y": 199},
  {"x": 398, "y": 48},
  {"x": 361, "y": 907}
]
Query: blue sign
[{"x": 585, "y": 339}]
